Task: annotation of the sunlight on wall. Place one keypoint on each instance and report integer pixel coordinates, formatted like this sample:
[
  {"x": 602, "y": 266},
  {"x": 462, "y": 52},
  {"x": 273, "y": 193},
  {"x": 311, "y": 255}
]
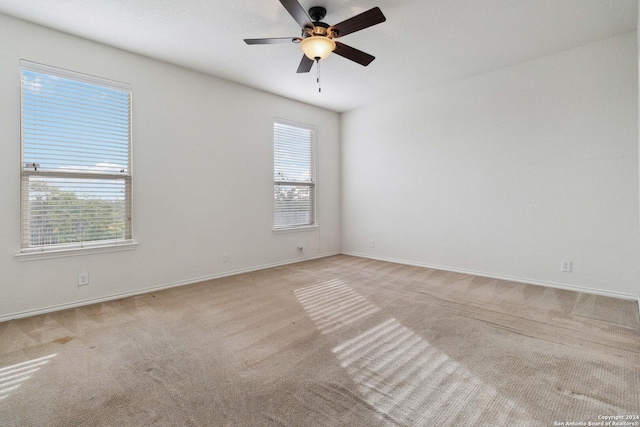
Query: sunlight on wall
[
  {"x": 12, "y": 377},
  {"x": 398, "y": 372}
]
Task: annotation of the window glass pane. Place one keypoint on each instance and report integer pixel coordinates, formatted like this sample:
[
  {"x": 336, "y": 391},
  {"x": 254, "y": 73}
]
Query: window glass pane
[
  {"x": 67, "y": 210},
  {"x": 293, "y": 153},
  {"x": 73, "y": 126},
  {"x": 294, "y": 205}
]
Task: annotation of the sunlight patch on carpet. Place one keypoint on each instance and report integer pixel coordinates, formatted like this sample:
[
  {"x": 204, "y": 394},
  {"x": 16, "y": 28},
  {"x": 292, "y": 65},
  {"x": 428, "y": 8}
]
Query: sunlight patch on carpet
[
  {"x": 12, "y": 377},
  {"x": 332, "y": 305},
  {"x": 399, "y": 373}
]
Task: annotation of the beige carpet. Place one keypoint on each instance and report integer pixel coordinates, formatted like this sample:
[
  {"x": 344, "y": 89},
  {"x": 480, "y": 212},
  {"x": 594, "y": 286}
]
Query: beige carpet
[{"x": 341, "y": 341}]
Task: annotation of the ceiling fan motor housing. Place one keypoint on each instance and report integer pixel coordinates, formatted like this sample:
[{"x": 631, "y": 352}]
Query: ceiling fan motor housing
[{"x": 319, "y": 29}]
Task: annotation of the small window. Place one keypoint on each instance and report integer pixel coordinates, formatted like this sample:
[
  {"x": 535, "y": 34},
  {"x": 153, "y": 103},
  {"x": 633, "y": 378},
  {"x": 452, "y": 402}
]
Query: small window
[
  {"x": 76, "y": 160},
  {"x": 294, "y": 175}
]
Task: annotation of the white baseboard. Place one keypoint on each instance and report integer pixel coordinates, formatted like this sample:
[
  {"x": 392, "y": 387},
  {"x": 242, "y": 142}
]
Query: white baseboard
[
  {"x": 49, "y": 309},
  {"x": 501, "y": 277},
  {"x": 52, "y": 308}
]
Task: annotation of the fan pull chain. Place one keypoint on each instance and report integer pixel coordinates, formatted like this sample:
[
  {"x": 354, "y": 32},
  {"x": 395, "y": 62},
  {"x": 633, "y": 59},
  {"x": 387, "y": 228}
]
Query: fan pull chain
[{"x": 318, "y": 78}]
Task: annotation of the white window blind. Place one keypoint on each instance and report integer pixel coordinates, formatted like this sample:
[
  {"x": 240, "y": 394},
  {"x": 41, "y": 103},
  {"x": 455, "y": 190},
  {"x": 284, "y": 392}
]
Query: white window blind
[
  {"x": 76, "y": 162},
  {"x": 294, "y": 175}
]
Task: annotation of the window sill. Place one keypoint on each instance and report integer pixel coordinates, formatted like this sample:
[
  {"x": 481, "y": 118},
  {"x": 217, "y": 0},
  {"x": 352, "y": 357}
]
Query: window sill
[
  {"x": 35, "y": 254},
  {"x": 294, "y": 229}
]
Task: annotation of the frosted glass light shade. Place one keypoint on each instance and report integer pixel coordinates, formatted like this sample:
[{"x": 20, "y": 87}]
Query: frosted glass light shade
[{"x": 317, "y": 47}]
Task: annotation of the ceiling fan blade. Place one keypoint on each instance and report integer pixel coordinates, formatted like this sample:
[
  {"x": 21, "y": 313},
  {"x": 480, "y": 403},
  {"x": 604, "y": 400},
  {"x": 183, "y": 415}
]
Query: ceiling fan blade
[
  {"x": 298, "y": 13},
  {"x": 275, "y": 40},
  {"x": 353, "y": 54},
  {"x": 305, "y": 65},
  {"x": 359, "y": 22}
]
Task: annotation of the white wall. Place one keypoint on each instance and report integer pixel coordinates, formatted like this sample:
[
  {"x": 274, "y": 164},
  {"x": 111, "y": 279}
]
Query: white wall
[
  {"x": 505, "y": 174},
  {"x": 202, "y": 154}
]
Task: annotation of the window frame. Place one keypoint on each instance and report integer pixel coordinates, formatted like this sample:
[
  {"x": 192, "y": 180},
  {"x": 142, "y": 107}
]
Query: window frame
[
  {"x": 313, "y": 173},
  {"x": 28, "y": 251}
]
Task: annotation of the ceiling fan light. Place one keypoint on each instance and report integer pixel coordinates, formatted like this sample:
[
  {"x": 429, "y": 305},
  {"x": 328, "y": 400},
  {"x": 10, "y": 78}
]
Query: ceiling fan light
[{"x": 317, "y": 47}]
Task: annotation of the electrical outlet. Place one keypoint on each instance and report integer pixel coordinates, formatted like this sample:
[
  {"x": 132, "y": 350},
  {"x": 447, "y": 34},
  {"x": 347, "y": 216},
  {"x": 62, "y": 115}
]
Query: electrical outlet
[
  {"x": 83, "y": 278},
  {"x": 225, "y": 256},
  {"x": 371, "y": 243},
  {"x": 301, "y": 246},
  {"x": 565, "y": 266}
]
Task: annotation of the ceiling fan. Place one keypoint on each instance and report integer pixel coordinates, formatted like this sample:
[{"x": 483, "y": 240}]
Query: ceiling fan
[{"x": 317, "y": 39}]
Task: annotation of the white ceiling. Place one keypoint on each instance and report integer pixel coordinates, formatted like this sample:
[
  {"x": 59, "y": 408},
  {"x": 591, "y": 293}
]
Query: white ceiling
[{"x": 423, "y": 43}]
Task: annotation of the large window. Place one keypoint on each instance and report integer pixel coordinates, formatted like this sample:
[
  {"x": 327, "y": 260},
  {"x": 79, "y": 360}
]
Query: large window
[
  {"x": 76, "y": 160},
  {"x": 294, "y": 175}
]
